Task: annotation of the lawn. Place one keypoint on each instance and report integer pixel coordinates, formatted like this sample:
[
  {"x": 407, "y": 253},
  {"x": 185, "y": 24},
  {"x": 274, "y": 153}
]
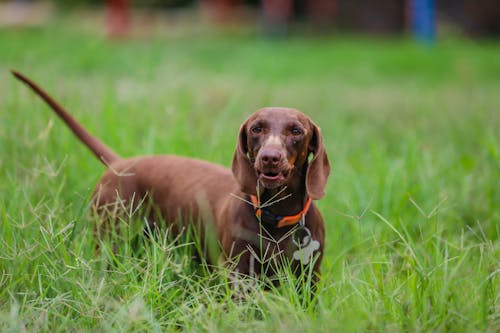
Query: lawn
[{"x": 412, "y": 204}]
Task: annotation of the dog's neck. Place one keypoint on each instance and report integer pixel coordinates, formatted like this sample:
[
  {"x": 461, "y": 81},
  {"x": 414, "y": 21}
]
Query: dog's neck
[{"x": 286, "y": 200}]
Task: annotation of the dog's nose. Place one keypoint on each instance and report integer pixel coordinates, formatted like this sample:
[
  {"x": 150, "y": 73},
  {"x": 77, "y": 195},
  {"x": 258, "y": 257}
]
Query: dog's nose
[{"x": 271, "y": 157}]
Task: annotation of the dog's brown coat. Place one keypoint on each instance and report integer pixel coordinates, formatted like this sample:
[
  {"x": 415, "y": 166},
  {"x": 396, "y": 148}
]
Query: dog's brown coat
[{"x": 272, "y": 152}]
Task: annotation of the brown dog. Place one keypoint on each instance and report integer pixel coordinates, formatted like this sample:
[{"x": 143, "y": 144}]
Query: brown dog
[{"x": 261, "y": 212}]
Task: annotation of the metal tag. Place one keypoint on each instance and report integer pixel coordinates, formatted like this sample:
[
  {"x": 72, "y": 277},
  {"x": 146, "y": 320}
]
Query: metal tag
[{"x": 306, "y": 247}]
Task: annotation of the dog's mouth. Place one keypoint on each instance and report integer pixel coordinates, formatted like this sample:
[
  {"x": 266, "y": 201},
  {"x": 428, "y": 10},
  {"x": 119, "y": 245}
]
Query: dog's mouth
[
  {"x": 272, "y": 179},
  {"x": 272, "y": 176}
]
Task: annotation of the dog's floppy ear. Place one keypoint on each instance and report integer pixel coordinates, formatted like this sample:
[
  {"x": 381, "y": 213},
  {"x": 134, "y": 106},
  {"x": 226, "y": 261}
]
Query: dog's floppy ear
[
  {"x": 242, "y": 167},
  {"x": 319, "y": 167}
]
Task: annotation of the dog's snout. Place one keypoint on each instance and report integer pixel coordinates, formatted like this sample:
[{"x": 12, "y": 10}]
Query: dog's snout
[{"x": 271, "y": 157}]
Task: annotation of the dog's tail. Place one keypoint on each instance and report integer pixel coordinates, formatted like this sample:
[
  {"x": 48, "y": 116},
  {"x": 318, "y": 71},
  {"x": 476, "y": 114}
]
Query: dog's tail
[{"x": 103, "y": 153}]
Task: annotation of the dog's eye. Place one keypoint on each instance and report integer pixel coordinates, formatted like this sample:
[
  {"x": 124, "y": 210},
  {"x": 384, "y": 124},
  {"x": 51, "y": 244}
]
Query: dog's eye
[
  {"x": 296, "y": 131},
  {"x": 256, "y": 129}
]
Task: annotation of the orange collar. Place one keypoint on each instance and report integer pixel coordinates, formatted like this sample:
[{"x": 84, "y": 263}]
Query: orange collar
[{"x": 275, "y": 220}]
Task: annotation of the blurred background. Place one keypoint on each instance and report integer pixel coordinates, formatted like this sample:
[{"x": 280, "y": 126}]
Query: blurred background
[{"x": 421, "y": 18}]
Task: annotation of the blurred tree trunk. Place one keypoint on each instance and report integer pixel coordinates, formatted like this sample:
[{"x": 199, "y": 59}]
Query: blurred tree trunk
[
  {"x": 118, "y": 19},
  {"x": 277, "y": 15}
]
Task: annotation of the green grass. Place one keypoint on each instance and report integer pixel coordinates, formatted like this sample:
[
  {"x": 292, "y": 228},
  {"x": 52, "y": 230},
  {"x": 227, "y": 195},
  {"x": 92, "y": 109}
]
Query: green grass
[{"x": 412, "y": 204}]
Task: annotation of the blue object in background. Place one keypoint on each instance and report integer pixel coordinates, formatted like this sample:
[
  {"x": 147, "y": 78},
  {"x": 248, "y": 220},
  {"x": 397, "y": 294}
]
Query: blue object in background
[{"x": 423, "y": 20}]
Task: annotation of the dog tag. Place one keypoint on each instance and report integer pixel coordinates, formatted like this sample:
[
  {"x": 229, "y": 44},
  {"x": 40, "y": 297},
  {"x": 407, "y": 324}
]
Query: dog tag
[{"x": 304, "y": 254}]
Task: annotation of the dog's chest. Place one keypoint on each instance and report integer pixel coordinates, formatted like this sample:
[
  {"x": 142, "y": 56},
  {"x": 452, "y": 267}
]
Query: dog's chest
[{"x": 271, "y": 251}]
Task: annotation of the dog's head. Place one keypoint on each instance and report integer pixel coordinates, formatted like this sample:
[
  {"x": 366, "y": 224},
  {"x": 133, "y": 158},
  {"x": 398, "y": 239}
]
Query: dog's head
[{"x": 274, "y": 145}]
